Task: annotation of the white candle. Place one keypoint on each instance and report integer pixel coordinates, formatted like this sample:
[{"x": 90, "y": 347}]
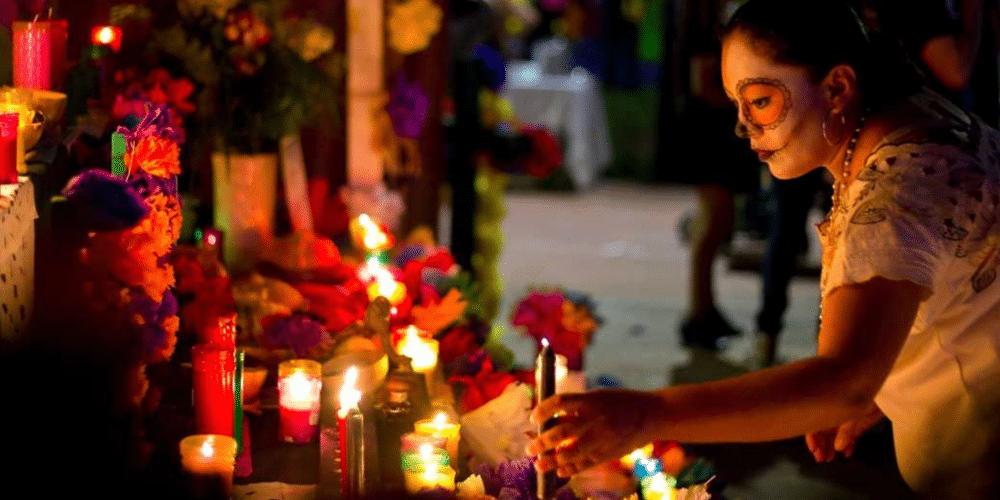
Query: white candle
[{"x": 208, "y": 459}]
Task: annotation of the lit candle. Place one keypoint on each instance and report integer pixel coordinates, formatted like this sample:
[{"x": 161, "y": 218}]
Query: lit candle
[
  {"x": 370, "y": 235},
  {"x": 107, "y": 36},
  {"x": 545, "y": 375},
  {"x": 299, "y": 389},
  {"x": 422, "y": 351},
  {"x": 33, "y": 54},
  {"x": 430, "y": 475},
  {"x": 208, "y": 460},
  {"x": 351, "y": 425},
  {"x": 441, "y": 427},
  {"x": 213, "y": 370},
  {"x": 658, "y": 487},
  {"x": 8, "y": 147},
  {"x": 386, "y": 286}
]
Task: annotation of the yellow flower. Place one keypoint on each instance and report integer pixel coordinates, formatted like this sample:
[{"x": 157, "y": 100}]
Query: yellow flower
[
  {"x": 156, "y": 156},
  {"x": 412, "y": 24}
]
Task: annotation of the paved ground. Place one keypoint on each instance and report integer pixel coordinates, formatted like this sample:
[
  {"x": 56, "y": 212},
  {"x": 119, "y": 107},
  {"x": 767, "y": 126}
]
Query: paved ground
[{"x": 620, "y": 243}]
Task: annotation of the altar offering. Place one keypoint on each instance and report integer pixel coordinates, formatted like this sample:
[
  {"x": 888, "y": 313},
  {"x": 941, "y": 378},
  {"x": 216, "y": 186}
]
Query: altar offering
[
  {"x": 422, "y": 350},
  {"x": 208, "y": 461},
  {"x": 299, "y": 389},
  {"x": 430, "y": 474}
]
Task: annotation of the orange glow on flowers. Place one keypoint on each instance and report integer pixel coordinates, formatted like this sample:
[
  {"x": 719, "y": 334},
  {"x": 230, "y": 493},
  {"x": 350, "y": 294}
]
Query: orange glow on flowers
[{"x": 155, "y": 155}]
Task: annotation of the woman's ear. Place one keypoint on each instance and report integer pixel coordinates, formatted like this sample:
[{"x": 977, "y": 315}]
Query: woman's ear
[{"x": 840, "y": 87}]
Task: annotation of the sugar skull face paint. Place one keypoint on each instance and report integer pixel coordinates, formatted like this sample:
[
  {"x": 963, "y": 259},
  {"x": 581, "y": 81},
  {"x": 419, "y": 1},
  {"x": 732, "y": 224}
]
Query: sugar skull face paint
[
  {"x": 781, "y": 108},
  {"x": 765, "y": 101}
]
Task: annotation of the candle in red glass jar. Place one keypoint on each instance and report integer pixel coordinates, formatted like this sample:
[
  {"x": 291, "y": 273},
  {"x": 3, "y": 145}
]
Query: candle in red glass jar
[
  {"x": 220, "y": 331},
  {"x": 8, "y": 148},
  {"x": 33, "y": 54},
  {"x": 213, "y": 370}
]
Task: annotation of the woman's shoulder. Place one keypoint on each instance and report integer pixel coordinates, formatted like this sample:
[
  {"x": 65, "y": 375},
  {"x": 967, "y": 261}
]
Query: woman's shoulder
[{"x": 927, "y": 129}]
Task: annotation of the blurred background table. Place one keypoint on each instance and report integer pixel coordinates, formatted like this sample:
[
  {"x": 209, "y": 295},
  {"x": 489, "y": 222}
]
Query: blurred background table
[{"x": 571, "y": 107}]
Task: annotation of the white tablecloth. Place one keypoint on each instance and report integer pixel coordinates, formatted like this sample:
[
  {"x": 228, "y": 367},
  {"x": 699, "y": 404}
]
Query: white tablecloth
[
  {"x": 17, "y": 256},
  {"x": 570, "y": 106}
]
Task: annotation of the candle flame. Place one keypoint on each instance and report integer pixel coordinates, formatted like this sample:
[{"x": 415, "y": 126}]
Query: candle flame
[
  {"x": 350, "y": 396},
  {"x": 206, "y": 448},
  {"x": 426, "y": 451},
  {"x": 371, "y": 234},
  {"x": 545, "y": 342},
  {"x": 440, "y": 419},
  {"x": 106, "y": 35}
]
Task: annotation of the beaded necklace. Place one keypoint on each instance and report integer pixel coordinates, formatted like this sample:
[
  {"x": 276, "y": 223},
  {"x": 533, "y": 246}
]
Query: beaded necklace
[{"x": 826, "y": 227}]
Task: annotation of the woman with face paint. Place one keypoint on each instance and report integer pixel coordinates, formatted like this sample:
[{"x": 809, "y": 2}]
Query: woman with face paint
[{"x": 910, "y": 300}]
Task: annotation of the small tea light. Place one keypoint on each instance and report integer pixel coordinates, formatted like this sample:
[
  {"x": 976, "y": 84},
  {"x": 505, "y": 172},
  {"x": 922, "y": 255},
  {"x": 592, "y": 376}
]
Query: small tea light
[
  {"x": 208, "y": 460},
  {"x": 658, "y": 487},
  {"x": 370, "y": 235},
  {"x": 384, "y": 285},
  {"x": 299, "y": 388},
  {"x": 423, "y": 351},
  {"x": 107, "y": 36},
  {"x": 431, "y": 475},
  {"x": 439, "y": 426}
]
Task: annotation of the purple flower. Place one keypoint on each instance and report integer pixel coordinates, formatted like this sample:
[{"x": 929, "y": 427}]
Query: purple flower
[
  {"x": 491, "y": 479},
  {"x": 298, "y": 333},
  {"x": 565, "y": 493},
  {"x": 407, "y": 107},
  {"x": 104, "y": 202},
  {"x": 470, "y": 363},
  {"x": 156, "y": 123}
]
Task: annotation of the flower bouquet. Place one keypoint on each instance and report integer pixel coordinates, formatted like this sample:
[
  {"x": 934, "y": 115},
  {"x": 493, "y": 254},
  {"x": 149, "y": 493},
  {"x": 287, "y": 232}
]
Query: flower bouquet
[{"x": 568, "y": 320}]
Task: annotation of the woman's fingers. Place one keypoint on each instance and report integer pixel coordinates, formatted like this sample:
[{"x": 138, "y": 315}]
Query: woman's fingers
[
  {"x": 820, "y": 444},
  {"x": 560, "y": 404}
]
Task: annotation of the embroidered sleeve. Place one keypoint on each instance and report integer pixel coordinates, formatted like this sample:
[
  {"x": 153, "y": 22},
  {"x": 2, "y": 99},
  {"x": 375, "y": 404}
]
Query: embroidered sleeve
[{"x": 907, "y": 215}]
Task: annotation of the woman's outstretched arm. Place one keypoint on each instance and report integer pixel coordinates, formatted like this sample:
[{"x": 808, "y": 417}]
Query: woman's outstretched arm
[{"x": 863, "y": 330}]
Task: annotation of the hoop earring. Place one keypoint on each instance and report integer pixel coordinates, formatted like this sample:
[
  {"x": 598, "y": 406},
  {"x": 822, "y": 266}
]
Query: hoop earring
[{"x": 843, "y": 125}]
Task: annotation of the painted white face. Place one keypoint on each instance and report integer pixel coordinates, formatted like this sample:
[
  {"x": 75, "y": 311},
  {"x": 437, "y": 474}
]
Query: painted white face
[{"x": 780, "y": 108}]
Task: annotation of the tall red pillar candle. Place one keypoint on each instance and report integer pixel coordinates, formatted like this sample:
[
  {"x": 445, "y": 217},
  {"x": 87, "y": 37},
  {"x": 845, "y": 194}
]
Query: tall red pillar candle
[
  {"x": 8, "y": 148},
  {"x": 213, "y": 370},
  {"x": 33, "y": 55}
]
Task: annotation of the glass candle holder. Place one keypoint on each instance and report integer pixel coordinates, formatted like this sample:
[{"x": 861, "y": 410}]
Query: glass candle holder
[
  {"x": 220, "y": 331},
  {"x": 213, "y": 371},
  {"x": 429, "y": 477},
  {"x": 421, "y": 449},
  {"x": 439, "y": 426},
  {"x": 299, "y": 388},
  {"x": 33, "y": 54},
  {"x": 208, "y": 461},
  {"x": 9, "y": 123}
]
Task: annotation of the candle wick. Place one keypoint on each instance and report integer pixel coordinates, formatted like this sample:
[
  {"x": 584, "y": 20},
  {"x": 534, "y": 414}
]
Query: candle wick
[{"x": 35, "y": 19}]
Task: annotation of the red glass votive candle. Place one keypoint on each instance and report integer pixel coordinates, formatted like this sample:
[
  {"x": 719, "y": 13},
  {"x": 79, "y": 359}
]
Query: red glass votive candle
[
  {"x": 213, "y": 369},
  {"x": 299, "y": 388},
  {"x": 8, "y": 147},
  {"x": 220, "y": 332}
]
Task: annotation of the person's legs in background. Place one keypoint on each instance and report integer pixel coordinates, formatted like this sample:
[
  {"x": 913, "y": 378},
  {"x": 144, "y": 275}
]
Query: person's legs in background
[
  {"x": 787, "y": 240},
  {"x": 703, "y": 325}
]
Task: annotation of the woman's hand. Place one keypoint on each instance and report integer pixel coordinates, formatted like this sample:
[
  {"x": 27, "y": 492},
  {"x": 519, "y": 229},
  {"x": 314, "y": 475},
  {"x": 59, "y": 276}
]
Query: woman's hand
[
  {"x": 824, "y": 445},
  {"x": 593, "y": 428}
]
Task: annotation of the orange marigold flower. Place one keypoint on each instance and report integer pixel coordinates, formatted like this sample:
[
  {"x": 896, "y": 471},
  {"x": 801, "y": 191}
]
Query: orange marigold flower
[{"x": 155, "y": 155}]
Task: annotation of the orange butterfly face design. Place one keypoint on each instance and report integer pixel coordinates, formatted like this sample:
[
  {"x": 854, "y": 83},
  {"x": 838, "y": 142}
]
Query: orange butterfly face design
[{"x": 765, "y": 101}]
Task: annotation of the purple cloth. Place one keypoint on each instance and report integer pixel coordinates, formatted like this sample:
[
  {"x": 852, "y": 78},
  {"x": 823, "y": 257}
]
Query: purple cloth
[{"x": 104, "y": 202}]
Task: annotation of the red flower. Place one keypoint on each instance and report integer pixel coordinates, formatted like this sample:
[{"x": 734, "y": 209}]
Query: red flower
[
  {"x": 546, "y": 154},
  {"x": 440, "y": 259},
  {"x": 483, "y": 387},
  {"x": 338, "y": 306},
  {"x": 456, "y": 342}
]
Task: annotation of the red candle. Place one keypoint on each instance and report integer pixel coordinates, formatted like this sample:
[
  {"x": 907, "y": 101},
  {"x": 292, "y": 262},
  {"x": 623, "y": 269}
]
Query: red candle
[
  {"x": 213, "y": 370},
  {"x": 33, "y": 54},
  {"x": 221, "y": 332},
  {"x": 8, "y": 148}
]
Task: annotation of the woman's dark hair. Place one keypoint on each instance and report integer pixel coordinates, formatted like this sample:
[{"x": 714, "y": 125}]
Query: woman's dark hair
[{"x": 819, "y": 35}]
